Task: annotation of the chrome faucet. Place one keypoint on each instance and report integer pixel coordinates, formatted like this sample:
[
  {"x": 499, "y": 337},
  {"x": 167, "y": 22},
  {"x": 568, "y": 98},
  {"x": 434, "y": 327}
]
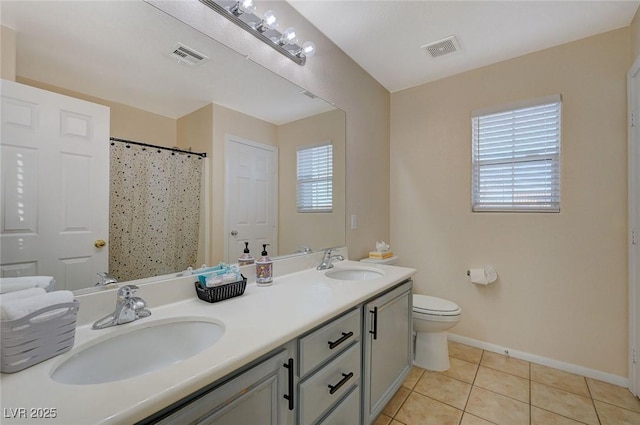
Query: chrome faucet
[
  {"x": 128, "y": 309},
  {"x": 327, "y": 259},
  {"x": 105, "y": 279}
]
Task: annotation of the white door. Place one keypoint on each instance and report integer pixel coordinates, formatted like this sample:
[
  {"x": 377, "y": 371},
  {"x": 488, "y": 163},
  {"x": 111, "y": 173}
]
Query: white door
[
  {"x": 55, "y": 186},
  {"x": 633, "y": 87},
  {"x": 251, "y": 197}
]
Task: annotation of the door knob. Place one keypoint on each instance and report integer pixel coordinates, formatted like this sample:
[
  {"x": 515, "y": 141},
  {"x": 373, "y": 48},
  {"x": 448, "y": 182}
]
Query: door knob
[
  {"x": 99, "y": 243},
  {"x": 234, "y": 233}
]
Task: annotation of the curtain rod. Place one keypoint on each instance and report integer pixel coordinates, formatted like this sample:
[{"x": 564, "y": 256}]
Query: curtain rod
[{"x": 201, "y": 155}]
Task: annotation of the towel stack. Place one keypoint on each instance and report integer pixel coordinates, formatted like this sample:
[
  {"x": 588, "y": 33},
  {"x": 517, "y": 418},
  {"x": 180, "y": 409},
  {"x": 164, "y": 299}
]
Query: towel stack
[
  {"x": 11, "y": 284},
  {"x": 18, "y": 304}
]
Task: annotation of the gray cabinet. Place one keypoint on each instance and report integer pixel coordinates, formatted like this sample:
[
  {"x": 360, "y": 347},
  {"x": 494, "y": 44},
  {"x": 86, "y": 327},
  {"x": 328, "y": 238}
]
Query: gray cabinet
[
  {"x": 330, "y": 371},
  {"x": 342, "y": 373},
  {"x": 387, "y": 348},
  {"x": 256, "y": 396}
]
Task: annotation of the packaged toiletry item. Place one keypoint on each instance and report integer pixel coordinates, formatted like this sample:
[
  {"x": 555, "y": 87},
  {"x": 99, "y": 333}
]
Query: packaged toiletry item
[
  {"x": 229, "y": 277},
  {"x": 245, "y": 259},
  {"x": 214, "y": 280},
  {"x": 264, "y": 268}
]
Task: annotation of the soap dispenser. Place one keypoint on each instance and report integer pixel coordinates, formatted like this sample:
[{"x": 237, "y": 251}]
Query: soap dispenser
[
  {"x": 264, "y": 268},
  {"x": 245, "y": 259}
]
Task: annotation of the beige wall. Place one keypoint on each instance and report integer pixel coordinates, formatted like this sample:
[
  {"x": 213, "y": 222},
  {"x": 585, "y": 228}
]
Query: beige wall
[
  {"x": 227, "y": 121},
  {"x": 635, "y": 36},
  {"x": 195, "y": 132},
  {"x": 562, "y": 282},
  {"x": 8, "y": 60},
  {"x": 315, "y": 230},
  {"x": 127, "y": 122}
]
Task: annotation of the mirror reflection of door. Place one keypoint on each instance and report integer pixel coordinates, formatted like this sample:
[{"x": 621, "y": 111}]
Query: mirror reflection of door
[
  {"x": 55, "y": 191},
  {"x": 251, "y": 197}
]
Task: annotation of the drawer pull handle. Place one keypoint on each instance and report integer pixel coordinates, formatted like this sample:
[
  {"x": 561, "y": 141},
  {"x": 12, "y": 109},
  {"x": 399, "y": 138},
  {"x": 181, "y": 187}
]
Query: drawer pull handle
[
  {"x": 345, "y": 336},
  {"x": 289, "y": 365},
  {"x": 375, "y": 322},
  {"x": 345, "y": 378}
]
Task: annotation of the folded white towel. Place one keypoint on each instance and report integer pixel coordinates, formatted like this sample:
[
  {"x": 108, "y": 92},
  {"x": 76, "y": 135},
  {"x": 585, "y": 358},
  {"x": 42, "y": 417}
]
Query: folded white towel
[
  {"x": 18, "y": 308},
  {"x": 11, "y": 284},
  {"x": 25, "y": 293}
]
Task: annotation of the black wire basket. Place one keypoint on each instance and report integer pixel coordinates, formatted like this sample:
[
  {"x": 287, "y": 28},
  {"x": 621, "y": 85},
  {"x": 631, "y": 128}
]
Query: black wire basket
[{"x": 222, "y": 292}]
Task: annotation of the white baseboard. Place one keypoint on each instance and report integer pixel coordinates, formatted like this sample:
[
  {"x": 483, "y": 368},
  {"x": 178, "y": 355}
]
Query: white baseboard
[{"x": 545, "y": 361}]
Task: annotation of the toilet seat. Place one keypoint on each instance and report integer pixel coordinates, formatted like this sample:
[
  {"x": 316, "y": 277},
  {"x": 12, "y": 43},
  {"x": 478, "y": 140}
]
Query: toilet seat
[{"x": 428, "y": 305}]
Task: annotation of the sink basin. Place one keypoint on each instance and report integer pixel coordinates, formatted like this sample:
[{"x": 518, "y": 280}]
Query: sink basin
[
  {"x": 138, "y": 352},
  {"x": 354, "y": 273}
]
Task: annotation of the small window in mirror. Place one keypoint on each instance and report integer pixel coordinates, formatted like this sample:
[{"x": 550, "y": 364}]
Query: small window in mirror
[{"x": 315, "y": 178}]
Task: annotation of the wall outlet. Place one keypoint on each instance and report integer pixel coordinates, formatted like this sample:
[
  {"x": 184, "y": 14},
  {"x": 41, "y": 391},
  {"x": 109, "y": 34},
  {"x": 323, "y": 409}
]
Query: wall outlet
[{"x": 354, "y": 222}]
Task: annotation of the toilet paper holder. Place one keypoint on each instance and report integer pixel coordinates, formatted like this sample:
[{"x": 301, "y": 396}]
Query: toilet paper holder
[{"x": 489, "y": 272}]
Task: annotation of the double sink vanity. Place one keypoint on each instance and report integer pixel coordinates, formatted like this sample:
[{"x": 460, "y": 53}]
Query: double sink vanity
[{"x": 317, "y": 347}]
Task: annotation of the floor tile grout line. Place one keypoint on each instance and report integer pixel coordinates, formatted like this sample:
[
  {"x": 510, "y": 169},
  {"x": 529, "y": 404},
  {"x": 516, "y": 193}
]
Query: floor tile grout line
[
  {"x": 504, "y": 371},
  {"x": 593, "y": 402},
  {"x": 403, "y": 402},
  {"x": 561, "y": 415},
  {"x": 530, "y": 408},
  {"x": 531, "y": 381},
  {"x": 563, "y": 389},
  {"x": 615, "y": 405},
  {"x": 466, "y": 403}
]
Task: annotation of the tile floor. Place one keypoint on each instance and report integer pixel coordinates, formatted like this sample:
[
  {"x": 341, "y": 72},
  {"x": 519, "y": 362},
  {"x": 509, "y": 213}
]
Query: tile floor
[{"x": 484, "y": 388}]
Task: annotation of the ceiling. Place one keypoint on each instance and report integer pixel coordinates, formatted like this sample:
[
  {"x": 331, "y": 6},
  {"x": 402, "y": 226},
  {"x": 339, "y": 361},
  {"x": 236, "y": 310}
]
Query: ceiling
[
  {"x": 119, "y": 51},
  {"x": 385, "y": 37}
]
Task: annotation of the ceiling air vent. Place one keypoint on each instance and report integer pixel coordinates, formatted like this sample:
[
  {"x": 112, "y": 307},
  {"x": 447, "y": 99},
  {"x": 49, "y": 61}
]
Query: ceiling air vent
[
  {"x": 442, "y": 47},
  {"x": 187, "y": 55}
]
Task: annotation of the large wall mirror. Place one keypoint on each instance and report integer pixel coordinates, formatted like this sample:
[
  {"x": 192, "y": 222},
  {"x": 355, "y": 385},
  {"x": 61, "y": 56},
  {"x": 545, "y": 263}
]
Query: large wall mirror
[{"x": 130, "y": 56}]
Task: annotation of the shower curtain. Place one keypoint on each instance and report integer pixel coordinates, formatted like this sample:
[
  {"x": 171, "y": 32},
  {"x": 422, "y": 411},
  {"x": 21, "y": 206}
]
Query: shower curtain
[{"x": 154, "y": 211}]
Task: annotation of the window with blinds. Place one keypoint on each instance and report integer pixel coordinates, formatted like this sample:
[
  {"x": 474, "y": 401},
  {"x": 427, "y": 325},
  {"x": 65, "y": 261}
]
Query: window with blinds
[
  {"x": 315, "y": 179},
  {"x": 516, "y": 157}
]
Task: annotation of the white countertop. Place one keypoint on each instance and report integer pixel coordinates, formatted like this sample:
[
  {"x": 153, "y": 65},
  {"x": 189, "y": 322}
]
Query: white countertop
[{"x": 261, "y": 320}]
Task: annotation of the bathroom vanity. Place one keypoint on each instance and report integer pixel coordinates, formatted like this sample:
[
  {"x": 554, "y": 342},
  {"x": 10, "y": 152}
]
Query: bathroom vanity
[{"x": 308, "y": 350}]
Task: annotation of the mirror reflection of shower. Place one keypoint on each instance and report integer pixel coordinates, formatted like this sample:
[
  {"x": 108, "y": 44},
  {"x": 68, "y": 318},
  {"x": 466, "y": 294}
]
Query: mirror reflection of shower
[{"x": 154, "y": 209}]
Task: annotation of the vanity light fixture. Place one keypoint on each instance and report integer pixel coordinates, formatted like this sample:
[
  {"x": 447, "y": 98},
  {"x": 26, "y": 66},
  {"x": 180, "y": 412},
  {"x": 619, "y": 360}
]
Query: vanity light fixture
[{"x": 265, "y": 28}]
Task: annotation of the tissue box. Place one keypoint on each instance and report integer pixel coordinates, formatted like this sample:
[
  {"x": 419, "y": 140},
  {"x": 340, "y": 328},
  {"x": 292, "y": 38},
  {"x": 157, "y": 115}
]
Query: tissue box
[
  {"x": 380, "y": 255},
  {"x": 27, "y": 341}
]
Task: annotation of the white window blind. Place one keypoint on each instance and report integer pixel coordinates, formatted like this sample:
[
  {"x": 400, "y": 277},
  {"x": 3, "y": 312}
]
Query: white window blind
[
  {"x": 315, "y": 179},
  {"x": 516, "y": 158}
]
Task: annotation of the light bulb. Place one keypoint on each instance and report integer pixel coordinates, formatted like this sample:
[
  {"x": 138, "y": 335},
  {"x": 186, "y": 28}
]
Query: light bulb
[
  {"x": 289, "y": 36},
  {"x": 269, "y": 21},
  {"x": 308, "y": 49},
  {"x": 243, "y": 6}
]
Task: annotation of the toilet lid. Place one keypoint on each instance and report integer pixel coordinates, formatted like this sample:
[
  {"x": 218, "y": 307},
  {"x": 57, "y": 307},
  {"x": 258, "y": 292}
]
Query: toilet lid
[{"x": 434, "y": 305}]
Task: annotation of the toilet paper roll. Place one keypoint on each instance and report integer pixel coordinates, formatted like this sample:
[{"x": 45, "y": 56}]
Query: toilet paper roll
[
  {"x": 478, "y": 277},
  {"x": 483, "y": 276}
]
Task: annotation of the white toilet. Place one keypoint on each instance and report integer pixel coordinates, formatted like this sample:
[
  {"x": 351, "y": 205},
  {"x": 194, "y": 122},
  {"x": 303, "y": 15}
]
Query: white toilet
[{"x": 432, "y": 316}]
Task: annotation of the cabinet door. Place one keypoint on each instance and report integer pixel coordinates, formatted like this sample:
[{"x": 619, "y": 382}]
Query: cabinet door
[
  {"x": 255, "y": 397},
  {"x": 387, "y": 351}
]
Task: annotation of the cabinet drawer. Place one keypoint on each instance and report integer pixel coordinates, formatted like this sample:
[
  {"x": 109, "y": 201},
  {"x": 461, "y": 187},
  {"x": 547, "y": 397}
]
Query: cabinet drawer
[
  {"x": 339, "y": 376},
  {"x": 347, "y": 412},
  {"x": 329, "y": 340}
]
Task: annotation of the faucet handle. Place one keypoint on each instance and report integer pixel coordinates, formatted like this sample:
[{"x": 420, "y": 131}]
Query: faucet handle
[
  {"x": 127, "y": 292},
  {"x": 105, "y": 279}
]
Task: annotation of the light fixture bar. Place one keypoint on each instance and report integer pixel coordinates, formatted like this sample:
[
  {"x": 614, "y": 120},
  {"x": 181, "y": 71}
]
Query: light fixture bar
[{"x": 269, "y": 36}]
